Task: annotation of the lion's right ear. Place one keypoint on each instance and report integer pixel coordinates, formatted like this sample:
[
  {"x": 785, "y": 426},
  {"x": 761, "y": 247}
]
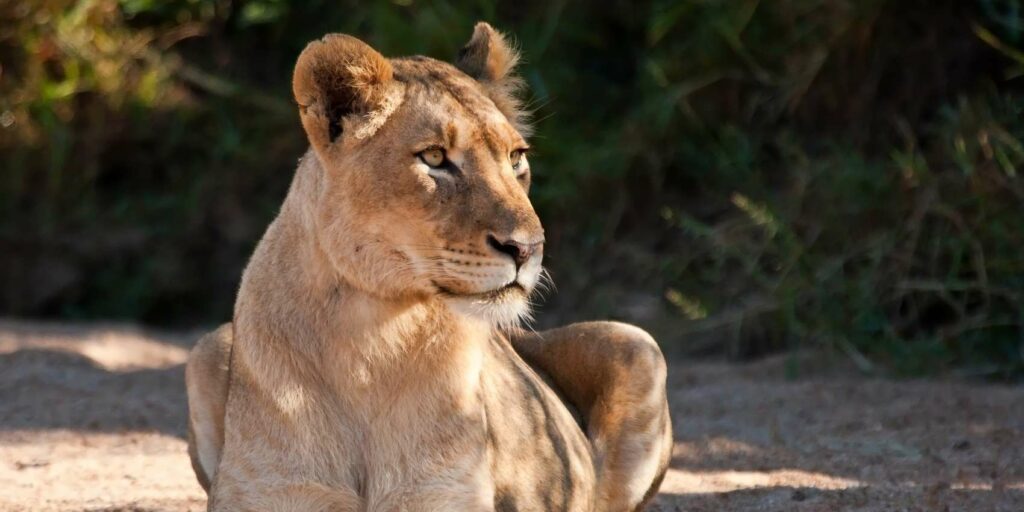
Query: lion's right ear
[{"x": 335, "y": 77}]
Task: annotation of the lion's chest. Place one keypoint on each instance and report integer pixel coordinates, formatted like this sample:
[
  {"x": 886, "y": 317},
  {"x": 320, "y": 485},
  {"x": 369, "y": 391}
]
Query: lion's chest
[
  {"x": 540, "y": 459},
  {"x": 421, "y": 455},
  {"x": 515, "y": 448},
  {"x": 496, "y": 438}
]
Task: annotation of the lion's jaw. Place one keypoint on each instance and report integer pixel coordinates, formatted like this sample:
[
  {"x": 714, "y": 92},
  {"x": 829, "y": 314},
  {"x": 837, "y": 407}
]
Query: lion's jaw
[{"x": 507, "y": 304}]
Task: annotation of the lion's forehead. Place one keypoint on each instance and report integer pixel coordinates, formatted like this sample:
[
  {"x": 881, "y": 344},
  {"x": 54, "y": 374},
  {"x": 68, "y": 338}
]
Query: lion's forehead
[
  {"x": 428, "y": 74},
  {"x": 451, "y": 100}
]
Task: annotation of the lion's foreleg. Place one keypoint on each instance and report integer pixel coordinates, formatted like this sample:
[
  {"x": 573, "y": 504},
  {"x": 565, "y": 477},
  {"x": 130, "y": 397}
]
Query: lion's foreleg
[
  {"x": 206, "y": 379},
  {"x": 614, "y": 374}
]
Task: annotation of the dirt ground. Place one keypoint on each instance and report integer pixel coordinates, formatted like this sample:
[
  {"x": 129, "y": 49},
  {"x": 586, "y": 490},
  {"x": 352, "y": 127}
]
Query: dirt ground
[{"x": 93, "y": 418}]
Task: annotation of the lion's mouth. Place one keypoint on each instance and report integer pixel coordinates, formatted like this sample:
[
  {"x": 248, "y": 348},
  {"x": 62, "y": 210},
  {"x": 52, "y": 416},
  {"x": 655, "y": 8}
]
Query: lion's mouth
[{"x": 495, "y": 295}]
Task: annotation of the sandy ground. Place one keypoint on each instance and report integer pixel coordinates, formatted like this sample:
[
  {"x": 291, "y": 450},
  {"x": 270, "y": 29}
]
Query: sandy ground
[{"x": 93, "y": 418}]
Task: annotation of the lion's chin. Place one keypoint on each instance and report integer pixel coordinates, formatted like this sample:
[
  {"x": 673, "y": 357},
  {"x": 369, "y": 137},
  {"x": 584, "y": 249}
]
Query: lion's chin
[{"x": 503, "y": 308}]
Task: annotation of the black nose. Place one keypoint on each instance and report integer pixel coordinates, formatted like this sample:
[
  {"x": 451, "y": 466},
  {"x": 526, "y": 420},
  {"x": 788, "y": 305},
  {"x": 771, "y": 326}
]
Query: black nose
[{"x": 519, "y": 251}]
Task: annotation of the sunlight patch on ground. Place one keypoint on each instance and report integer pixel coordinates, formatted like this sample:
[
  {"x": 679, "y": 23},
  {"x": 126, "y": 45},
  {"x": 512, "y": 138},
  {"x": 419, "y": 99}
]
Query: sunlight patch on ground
[
  {"x": 68, "y": 470},
  {"x": 114, "y": 349},
  {"x": 702, "y": 482},
  {"x": 986, "y": 486},
  {"x": 683, "y": 482}
]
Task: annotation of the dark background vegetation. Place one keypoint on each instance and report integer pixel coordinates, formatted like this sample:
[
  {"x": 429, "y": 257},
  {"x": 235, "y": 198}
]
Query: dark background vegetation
[{"x": 739, "y": 176}]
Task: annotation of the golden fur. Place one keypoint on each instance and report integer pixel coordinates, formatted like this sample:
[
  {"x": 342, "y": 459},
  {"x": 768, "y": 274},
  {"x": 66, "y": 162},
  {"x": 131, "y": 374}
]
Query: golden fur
[{"x": 373, "y": 363}]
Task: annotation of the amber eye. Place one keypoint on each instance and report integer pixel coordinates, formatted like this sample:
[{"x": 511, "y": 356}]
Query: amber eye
[
  {"x": 434, "y": 157},
  {"x": 516, "y": 157}
]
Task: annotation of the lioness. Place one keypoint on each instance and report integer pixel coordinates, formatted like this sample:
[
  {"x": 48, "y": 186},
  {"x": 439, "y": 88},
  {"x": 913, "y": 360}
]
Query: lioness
[{"x": 374, "y": 363}]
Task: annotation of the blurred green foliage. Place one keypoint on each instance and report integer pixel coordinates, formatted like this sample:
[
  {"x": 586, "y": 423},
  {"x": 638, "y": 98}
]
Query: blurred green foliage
[{"x": 738, "y": 175}]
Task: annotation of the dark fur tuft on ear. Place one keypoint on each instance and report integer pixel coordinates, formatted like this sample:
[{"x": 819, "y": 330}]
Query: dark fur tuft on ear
[
  {"x": 335, "y": 77},
  {"x": 487, "y": 57},
  {"x": 491, "y": 60}
]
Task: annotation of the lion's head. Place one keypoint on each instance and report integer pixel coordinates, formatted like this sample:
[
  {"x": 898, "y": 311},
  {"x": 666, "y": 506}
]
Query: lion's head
[{"x": 423, "y": 179}]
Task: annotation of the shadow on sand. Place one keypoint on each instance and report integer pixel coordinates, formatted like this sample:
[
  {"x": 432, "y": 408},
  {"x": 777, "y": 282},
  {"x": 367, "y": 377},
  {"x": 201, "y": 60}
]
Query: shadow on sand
[
  {"x": 94, "y": 378},
  {"x": 47, "y": 389}
]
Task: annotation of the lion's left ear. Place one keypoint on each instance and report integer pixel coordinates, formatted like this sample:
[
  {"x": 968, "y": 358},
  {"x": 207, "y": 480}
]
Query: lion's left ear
[{"x": 491, "y": 60}]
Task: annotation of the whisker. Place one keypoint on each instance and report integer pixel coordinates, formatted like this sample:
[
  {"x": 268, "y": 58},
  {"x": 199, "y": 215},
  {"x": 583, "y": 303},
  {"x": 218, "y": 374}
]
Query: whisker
[{"x": 546, "y": 278}]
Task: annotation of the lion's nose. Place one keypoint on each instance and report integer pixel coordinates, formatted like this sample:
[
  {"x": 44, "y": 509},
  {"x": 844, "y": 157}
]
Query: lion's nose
[{"x": 519, "y": 251}]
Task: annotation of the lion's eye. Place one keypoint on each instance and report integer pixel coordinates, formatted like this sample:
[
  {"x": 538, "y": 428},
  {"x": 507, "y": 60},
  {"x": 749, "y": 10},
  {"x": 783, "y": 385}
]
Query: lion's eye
[
  {"x": 434, "y": 157},
  {"x": 517, "y": 157}
]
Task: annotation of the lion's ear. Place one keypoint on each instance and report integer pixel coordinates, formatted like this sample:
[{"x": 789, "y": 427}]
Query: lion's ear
[
  {"x": 491, "y": 60},
  {"x": 335, "y": 77},
  {"x": 487, "y": 57}
]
